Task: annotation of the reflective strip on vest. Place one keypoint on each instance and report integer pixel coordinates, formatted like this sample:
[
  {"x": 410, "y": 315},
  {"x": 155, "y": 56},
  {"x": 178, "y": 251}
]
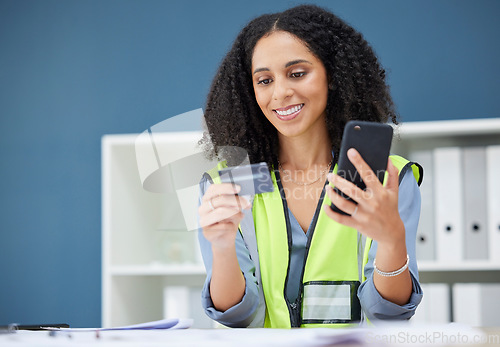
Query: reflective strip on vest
[{"x": 330, "y": 302}]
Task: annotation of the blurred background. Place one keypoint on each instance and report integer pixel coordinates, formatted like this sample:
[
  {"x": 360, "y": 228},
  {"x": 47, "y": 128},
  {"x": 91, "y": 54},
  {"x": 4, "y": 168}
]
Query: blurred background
[{"x": 73, "y": 71}]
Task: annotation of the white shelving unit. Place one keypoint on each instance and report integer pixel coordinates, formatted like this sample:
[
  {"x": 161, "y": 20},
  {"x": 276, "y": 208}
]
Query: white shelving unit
[
  {"x": 417, "y": 136},
  {"x": 145, "y": 245},
  {"x": 442, "y": 278}
]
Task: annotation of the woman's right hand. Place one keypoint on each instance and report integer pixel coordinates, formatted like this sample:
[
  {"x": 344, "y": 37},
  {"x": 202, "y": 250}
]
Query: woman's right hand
[{"x": 220, "y": 214}]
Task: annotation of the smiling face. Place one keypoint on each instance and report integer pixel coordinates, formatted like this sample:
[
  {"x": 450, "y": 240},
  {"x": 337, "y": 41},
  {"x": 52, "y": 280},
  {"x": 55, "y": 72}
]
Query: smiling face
[{"x": 290, "y": 84}]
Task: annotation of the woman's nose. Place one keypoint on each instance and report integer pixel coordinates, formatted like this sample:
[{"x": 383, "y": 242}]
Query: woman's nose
[{"x": 282, "y": 89}]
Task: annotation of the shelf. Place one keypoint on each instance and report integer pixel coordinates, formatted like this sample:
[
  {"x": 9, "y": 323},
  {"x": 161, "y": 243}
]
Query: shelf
[
  {"x": 194, "y": 269},
  {"x": 467, "y": 127},
  {"x": 428, "y": 266},
  {"x": 158, "y": 270}
]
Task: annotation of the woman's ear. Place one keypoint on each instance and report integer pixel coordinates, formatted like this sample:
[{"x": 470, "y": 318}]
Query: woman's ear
[{"x": 331, "y": 85}]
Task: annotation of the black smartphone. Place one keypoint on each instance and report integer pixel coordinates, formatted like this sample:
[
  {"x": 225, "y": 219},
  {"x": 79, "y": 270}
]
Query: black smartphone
[{"x": 373, "y": 142}]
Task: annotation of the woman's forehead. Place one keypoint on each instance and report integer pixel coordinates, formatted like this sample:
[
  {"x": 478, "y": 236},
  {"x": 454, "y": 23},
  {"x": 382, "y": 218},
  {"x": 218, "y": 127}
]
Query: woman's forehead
[{"x": 279, "y": 47}]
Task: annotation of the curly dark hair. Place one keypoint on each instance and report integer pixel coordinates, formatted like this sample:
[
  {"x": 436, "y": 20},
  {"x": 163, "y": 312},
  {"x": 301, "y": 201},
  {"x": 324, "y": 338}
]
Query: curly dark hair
[{"x": 232, "y": 115}]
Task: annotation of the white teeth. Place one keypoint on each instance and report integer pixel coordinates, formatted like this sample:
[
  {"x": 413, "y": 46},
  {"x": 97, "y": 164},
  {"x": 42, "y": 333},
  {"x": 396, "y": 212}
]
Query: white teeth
[{"x": 289, "y": 111}]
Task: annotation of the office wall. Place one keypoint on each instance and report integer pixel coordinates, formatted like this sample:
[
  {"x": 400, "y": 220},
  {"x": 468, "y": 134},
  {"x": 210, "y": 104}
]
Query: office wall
[{"x": 72, "y": 71}]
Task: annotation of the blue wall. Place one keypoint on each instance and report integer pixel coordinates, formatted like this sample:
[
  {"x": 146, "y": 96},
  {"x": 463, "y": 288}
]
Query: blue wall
[{"x": 72, "y": 71}]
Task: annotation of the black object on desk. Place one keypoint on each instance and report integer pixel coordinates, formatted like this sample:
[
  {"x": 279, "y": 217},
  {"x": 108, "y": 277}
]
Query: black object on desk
[{"x": 13, "y": 327}]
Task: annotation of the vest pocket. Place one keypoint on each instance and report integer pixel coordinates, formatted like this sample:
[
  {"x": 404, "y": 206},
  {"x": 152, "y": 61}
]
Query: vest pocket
[{"x": 330, "y": 302}]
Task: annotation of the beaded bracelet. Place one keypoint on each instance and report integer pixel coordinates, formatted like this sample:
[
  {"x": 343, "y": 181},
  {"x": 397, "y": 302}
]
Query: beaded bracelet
[{"x": 392, "y": 273}]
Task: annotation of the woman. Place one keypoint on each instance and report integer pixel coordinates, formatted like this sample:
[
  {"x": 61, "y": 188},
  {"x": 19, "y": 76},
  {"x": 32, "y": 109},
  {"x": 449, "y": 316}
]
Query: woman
[{"x": 284, "y": 93}]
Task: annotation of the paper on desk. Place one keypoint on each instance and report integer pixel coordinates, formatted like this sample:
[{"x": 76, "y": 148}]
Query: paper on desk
[{"x": 172, "y": 323}]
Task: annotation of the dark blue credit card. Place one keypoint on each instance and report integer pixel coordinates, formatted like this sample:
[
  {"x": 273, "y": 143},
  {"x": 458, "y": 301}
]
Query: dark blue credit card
[{"x": 253, "y": 179}]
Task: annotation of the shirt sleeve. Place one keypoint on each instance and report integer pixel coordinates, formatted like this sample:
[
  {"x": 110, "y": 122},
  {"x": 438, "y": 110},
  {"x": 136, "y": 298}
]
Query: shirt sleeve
[
  {"x": 374, "y": 305},
  {"x": 242, "y": 314}
]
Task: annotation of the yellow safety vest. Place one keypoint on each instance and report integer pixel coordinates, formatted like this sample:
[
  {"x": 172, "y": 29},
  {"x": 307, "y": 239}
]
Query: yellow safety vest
[{"x": 334, "y": 268}]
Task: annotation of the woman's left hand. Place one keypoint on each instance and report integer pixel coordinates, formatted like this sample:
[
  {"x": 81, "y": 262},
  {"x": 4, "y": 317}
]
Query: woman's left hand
[{"x": 376, "y": 215}]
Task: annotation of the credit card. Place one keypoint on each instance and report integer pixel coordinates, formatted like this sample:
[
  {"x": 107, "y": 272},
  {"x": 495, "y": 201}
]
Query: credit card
[{"x": 253, "y": 179}]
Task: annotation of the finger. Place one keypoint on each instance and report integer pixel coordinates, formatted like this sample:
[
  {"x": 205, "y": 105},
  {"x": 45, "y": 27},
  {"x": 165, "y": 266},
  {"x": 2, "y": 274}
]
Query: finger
[
  {"x": 364, "y": 170},
  {"x": 223, "y": 214},
  {"x": 212, "y": 200},
  {"x": 221, "y": 189},
  {"x": 346, "y": 187},
  {"x": 340, "y": 202},
  {"x": 221, "y": 226},
  {"x": 228, "y": 201}
]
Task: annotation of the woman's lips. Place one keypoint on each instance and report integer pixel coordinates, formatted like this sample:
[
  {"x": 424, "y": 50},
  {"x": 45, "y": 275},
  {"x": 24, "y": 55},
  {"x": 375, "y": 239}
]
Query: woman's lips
[{"x": 288, "y": 113}]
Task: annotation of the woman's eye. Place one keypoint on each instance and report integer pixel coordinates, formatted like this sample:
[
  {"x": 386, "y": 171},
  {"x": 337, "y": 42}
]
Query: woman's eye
[
  {"x": 297, "y": 74},
  {"x": 264, "y": 81}
]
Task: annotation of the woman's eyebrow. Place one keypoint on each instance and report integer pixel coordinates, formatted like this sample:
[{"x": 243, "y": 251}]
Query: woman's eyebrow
[
  {"x": 260, "y": 69},
  {"x": 290, "y": 63},
  {"x": 297, "y": 61}
]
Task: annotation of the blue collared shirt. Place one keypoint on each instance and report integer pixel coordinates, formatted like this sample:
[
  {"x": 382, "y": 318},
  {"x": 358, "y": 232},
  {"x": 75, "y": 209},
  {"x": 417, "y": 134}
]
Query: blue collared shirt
[{"x": 373, "y": 304}]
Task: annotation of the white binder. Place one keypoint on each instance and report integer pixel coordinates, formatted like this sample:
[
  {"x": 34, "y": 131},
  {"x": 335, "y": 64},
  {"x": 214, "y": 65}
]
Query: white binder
[
  {"x": 426, "y": 244},
  {"x": 176, "y": 302},
  {"x": 448, "y": 185},
  {"x": 435, "y": 306},
  {"x": 476, "y": 304},
  {"x": 475, "y": 204},
  {"x": 493, "y": 198},
  {"x": 183, "y": 301}
]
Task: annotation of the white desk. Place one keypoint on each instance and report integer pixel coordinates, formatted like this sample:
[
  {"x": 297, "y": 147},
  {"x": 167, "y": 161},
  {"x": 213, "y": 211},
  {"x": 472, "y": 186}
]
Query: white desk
[{"x": 390, "y": 335}]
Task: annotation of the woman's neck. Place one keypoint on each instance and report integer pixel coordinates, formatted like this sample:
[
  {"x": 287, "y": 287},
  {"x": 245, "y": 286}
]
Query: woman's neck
[{"x": 305, "y": 152}]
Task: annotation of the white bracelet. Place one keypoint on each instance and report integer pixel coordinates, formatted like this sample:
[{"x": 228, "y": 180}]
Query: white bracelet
[{"x": 392, "y": 273}]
